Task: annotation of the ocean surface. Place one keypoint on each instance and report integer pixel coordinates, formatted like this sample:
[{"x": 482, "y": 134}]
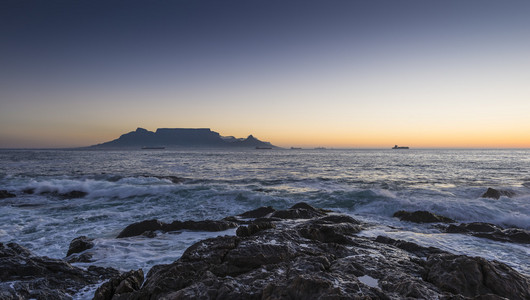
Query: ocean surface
[{"x": 129, "y": 186}]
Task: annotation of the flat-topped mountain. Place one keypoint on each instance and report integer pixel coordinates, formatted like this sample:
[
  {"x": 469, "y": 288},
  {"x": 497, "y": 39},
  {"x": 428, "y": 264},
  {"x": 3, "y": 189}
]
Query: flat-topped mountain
[{"x": 181, "y": 137}]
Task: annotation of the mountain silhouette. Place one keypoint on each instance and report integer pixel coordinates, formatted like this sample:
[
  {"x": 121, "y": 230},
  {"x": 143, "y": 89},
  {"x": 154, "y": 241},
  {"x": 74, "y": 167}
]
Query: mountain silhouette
[{"x": 181, "y": 137}]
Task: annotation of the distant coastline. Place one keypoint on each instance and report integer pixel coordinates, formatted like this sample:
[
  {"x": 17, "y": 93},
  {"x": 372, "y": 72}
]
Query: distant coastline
[{"x": 164, "y": 138}]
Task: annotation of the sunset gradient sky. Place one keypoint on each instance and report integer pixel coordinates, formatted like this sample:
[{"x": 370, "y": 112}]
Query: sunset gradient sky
[{"x": 295, "y": 73}]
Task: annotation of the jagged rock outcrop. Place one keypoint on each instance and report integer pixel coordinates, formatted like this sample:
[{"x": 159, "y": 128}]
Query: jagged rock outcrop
[
  {"x": 322, "y": 258},
  {"x": 120, "y": 287},
  {"x": 474, "y": 276},
  {"x": 26, "y": 276},
  {"x": 492, "y": 232},
  {"x": 421, "y": 216},
  {"x": 496, "y": 194}
]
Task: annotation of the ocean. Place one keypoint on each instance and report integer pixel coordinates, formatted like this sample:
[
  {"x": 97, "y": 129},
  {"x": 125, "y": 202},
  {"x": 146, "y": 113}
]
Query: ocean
[{"x": 123, "y": 187}]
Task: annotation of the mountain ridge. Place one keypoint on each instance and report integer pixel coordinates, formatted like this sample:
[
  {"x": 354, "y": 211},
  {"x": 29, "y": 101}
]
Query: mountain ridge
[{"x": 181, "y": 137}]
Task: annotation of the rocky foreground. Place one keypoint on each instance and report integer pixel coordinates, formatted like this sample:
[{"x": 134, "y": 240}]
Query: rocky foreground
[{"x": 298, "y": 253}]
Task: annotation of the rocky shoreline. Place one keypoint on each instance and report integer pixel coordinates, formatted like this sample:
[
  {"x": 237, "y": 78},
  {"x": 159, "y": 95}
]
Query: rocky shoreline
[{"x": 298, "y": 253}]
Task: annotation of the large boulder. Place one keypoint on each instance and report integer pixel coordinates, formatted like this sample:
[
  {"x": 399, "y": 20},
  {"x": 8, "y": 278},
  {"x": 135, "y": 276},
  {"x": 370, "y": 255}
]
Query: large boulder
[
  {"x": 26, "y": 276},
  {"x": 496, "y": 194},
  {"x": 140, "y": 227},
  {"x": 421, "y": 216},
  {"x": 80, "y": 244}
]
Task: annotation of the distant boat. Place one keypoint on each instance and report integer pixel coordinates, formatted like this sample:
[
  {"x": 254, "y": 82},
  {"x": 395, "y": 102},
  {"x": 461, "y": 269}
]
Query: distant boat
[
  {"x": 153, "y": 148},
  {"x": 295, "y": 148},
  {"x": 398, "y": 147},
  {"x": 320, "y": 148},
  {"x": 264, "y": 148}
]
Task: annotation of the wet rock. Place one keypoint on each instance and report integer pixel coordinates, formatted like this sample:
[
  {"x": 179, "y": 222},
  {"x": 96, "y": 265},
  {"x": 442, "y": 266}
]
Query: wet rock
[
  {"x": 149, "y": 234},
  {"x": 339, "y": 219},
  {"x": 80, "y": 244},
  {"x": 258, "y": 212},
  {"x": 26, "y": 276},
  {"x": 475, "y": 276},
  {"x": 323, "y": 258},
  {"x": 421, "y": 216},
  {"x": 254, "y": 228},
  {"x": 140, "y": 227},
  {"x": 329, "y": 233},
  {"x": 492, "y": 232},
  {"x": 496, "y": 194},
  {"x": 76, "y": 250},
  {"x": 149, "y": 226},
  {"x": 5, "y": 194},
  {"x": 121, "y": 286}
]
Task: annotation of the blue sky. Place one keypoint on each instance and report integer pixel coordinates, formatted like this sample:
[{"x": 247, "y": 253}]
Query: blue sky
[{"x": 301, "y": 73}]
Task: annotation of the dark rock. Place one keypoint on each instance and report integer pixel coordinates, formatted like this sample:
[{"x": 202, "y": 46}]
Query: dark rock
[
  {"x": 121, "y": 286},
  {"x": 5, "y": 194},
  {"x": 475, "y": 276},
  {"x": 76, "y": 251},
  {"x": 80, "y": 244},
  {"x": 254, "y": 228},
  {"x": 150, "y": 226},
  {"x": 26, "y": 276},
  {"x": 140, "y": 227},
  {"x": 73, "y": 195},
  {"x": 496, "y": 194},
  {"x": 322, "y": 258},
  {"x": 258, "y": 212},
  {"x": 29, "y": 191},
  {"x": 421, "y": 216},
  {"x": 339, "y": 219},
  {"x": 149, "y": 234},
  {"x": 69, "y": 195},
  {"x": 409, "y": 246},
  {"x": 492, "y": 232}
]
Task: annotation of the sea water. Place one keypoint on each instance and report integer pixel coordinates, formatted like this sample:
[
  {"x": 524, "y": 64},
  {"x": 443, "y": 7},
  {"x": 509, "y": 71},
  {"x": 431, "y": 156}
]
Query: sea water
[{"x": 124, "y": 187}]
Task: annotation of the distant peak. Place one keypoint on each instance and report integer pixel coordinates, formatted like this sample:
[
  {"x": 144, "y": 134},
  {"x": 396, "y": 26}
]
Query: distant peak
[{"x": 139, "y": 129}]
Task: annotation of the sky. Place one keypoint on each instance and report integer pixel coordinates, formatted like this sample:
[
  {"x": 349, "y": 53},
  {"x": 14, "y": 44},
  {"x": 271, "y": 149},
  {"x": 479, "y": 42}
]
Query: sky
[{"x": 333, "y": 73}]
